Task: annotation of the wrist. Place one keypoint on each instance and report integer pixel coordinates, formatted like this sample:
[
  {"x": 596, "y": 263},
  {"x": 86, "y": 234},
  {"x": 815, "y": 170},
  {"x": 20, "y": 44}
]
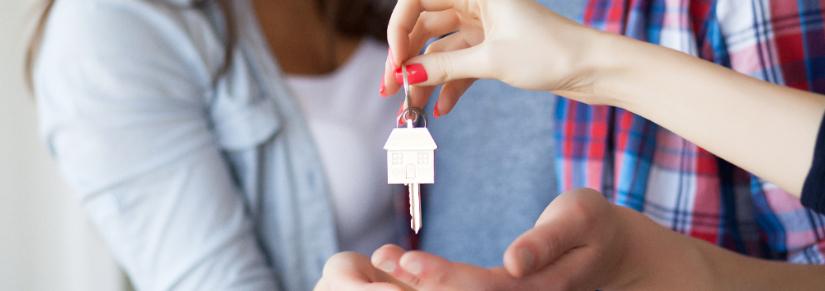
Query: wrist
[
  {"x": 657, "y": 258},
  {"x": 619, "y": 65}
]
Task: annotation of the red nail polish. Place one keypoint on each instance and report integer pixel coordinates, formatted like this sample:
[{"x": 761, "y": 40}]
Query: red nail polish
[
  {"x": 436, "y": 114},
  {"x": 415, "y": 74}
]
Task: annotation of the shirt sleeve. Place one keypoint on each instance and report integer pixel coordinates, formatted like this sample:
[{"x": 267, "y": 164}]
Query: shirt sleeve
[
  {"x": 122, "y": 106},
  {"x": 813, "y": 191}
]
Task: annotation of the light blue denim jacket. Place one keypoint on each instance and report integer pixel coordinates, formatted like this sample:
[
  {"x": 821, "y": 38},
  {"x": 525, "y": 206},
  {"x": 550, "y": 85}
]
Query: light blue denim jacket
[{"x": 193, "y": 186}]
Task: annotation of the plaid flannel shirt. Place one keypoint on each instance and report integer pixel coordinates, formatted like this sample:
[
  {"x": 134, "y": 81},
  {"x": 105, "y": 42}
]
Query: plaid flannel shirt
[{"x": 640, "y": 165}]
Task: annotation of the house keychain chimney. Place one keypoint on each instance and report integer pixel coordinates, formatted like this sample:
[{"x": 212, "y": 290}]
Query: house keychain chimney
[{"x": 411, "y": 155}]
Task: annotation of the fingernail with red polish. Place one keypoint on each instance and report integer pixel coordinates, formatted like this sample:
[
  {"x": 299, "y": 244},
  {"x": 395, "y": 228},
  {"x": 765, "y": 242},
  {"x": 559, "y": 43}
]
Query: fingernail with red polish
[
  {"x": 415, "y": 74},
  {"x": 436, "y": 114}
]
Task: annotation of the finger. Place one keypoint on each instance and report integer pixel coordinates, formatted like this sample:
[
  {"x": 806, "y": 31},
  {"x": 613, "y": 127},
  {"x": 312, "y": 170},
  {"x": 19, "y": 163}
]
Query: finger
[
  {"x": 386, "y": 259},
  {"x": 573, "y": 268},
  {"x": 429, "y": 25},
  {"x": 540, "y": 246},
  {"x": 454, "y": 41},
  {"x": 415, "y": 72},
  {"x": 403, "y": 20},
  {"x": 431, "y": 272},
  {"x": 379, "y": 287},
  {"x": 325, "y": 285},
  {"x": 453, "y": 90},
  {"x": 388, "y": 85},
  {"x": 450, "y": 93},
  {"x": 419, "y": 96},
  {"x": 563, "y": 226},
  {"x": 352, "y": 271},
  {"x": 441, "y": 67},
  {"x": 572, "y": 271}
]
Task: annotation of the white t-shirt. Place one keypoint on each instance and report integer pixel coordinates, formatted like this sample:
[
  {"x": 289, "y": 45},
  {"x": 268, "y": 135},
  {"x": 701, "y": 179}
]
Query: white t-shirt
[{"x": 350, "y": 123}]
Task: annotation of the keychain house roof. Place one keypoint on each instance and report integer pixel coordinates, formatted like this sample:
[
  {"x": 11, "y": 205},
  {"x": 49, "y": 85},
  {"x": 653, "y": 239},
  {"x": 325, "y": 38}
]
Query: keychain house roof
[
  {"x": 410, "y": 156},
  {"x": 410, "y": 139}
]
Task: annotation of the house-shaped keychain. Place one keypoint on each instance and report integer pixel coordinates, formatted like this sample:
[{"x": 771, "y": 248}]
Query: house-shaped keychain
[{"x": 410, "y": 156}]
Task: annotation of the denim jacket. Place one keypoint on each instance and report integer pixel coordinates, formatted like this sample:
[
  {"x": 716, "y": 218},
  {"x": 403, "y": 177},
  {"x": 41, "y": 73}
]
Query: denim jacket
[{"x": 194, "y": 186}]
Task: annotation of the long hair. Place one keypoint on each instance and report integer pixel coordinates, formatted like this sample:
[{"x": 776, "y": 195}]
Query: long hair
[{"x": 355, "y": 18}]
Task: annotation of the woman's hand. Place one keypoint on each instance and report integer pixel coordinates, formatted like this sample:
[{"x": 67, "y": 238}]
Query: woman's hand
[
  {"x": 350, "y": 271},
  {"x": 580, "y": 242},
  {"x": 517, "y": 41}
]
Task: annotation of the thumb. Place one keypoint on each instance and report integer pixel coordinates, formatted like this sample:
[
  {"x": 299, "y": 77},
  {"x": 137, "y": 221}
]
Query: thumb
[
  {"x": 540, "y": 246},
  {"x": 441, "y": 67},
  {"x": 563, "y": 226}
]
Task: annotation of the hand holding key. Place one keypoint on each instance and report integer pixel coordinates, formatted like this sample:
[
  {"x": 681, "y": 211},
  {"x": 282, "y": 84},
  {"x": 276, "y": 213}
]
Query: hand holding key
[{"x": 519, "y": 42}]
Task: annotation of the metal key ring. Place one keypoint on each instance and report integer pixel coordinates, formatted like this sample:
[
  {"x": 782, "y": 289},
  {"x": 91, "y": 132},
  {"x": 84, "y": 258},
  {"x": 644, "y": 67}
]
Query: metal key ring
[
  {"x": 406, "y": 86},
  {"x": 409, "y": 110},
  {"x": 412, "y": 114}
]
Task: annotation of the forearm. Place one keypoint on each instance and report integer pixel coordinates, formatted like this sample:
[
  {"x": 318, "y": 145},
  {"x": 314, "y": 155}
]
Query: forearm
[
  {"x": 183, "y": 227},
  {"x": 737, "y": 272},
  {"x": 667, "y": 260},
  {"x": 764, "y": 128}
]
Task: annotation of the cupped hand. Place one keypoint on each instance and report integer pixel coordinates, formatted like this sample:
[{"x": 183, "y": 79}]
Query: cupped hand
[
  {"x": 583, "y": 242},
  {"x": 580, "y": 242},
  {"x": 349, "y": 271},
  {"x": 519, "y": 42}
]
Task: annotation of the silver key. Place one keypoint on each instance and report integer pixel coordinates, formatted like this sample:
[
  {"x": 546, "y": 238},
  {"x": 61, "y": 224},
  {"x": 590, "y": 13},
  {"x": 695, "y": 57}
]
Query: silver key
[
  {"x": 411, "y": 156},
  {"x": 415, "y": 206},
  {"x": 410, "y": 161}
]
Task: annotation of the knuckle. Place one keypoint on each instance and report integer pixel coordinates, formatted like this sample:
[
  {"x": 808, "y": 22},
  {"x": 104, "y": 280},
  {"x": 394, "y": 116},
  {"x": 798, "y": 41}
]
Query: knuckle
[
  {"x": 445, "y": 64},
  {"x": 442, "y": 278},
  {"x": 489, "y": 61},
  {"x": 414, "y": 281},
  {"x": 433, "y": 48},
  {"x": 587, "y": 204},
  {"x": 551, "y": 245},
  {"x": 584, "y": 210}
]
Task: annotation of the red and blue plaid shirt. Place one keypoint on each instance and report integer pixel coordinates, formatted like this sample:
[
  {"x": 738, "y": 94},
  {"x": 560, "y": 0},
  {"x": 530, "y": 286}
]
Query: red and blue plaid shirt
[{"x": 640, "y": 165}]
